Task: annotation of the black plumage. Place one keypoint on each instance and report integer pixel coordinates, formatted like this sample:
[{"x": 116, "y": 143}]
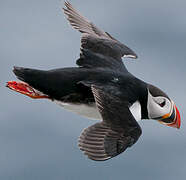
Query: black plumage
[
  {"x": 105, "y": 81},
  {"x": 115, "y": 133},
  {"x": 100, "y": 79}
]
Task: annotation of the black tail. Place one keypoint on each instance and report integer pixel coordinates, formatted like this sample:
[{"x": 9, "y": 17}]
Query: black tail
[
  {"x": 35, "y": 78},
  {"x": 19, "y": 72},
  {"x": 56, "y": 83},
  {"x": 28, "y": 75}
]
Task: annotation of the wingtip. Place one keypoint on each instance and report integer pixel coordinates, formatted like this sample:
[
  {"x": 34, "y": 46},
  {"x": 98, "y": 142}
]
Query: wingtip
[
  {"x": 68, "y": 7},
  {"x": 67, "y": 4}
]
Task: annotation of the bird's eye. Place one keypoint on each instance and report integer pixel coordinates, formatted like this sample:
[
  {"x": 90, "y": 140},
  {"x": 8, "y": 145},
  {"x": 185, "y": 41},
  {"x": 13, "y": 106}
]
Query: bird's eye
[
  {"x": 162, "y": 104},
  {"x": 160, "y": 101}
]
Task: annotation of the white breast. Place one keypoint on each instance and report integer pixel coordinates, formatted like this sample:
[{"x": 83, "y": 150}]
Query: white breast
[
  {"x": 135, "y": 109},
  {"x": 89, "y": 111}
]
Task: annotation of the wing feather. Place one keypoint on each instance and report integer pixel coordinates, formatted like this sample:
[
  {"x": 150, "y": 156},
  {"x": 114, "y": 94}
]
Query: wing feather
[
  {"x": 94, "y": 38},
  {"x": 118, "y": 130}
]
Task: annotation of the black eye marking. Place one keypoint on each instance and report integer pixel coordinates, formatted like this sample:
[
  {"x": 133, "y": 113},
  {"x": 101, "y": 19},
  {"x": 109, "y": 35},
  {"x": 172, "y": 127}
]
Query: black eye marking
[{"x": 162, "y": 104}]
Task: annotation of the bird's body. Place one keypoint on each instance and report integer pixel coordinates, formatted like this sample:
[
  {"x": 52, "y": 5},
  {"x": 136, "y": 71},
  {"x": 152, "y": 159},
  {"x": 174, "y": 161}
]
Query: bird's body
[
  {"x": 66, "y": 87},
  {"x": 100, "y": 88}
]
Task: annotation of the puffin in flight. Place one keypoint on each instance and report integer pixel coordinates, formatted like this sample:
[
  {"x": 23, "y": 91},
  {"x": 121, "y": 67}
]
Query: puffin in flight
[{"x": 100, "y": 88}]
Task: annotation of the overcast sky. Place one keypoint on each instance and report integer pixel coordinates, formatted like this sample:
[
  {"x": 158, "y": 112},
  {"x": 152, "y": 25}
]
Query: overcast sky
[{"x": 38, "y": 139}]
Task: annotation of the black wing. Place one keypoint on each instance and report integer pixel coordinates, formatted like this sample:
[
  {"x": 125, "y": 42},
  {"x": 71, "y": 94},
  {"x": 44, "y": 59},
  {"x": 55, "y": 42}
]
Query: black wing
[
  {"x": 95, "y": 39},
  {"x": 90, "y": 59},
  {"x": 118, "y": 130}
]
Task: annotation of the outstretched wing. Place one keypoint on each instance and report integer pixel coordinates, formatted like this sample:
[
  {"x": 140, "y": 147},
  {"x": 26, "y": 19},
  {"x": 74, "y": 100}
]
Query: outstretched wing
[
  {"x": 95, "y": 39},
  {"x": 90, "y": 59},
  {"x": 118, "y": 130}
]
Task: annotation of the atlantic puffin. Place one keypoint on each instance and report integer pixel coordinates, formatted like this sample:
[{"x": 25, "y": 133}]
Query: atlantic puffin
[{"x": 100, "y": 88}]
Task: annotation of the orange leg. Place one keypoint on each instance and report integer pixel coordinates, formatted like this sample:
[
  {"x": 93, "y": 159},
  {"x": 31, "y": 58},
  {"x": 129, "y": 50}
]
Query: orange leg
[{"x": 25, "y": 89}]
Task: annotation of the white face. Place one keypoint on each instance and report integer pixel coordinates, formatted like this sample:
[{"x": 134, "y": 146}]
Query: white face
[{"x": 158, "y": 106}]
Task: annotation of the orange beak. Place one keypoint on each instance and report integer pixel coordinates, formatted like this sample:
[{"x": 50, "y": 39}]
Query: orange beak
[
  {"x": 25, "y": 89},
  {"x": 172, "y": 119}
]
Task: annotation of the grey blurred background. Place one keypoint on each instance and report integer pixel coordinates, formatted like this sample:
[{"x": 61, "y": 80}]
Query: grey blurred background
[{"x": 38, "y": 139}]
